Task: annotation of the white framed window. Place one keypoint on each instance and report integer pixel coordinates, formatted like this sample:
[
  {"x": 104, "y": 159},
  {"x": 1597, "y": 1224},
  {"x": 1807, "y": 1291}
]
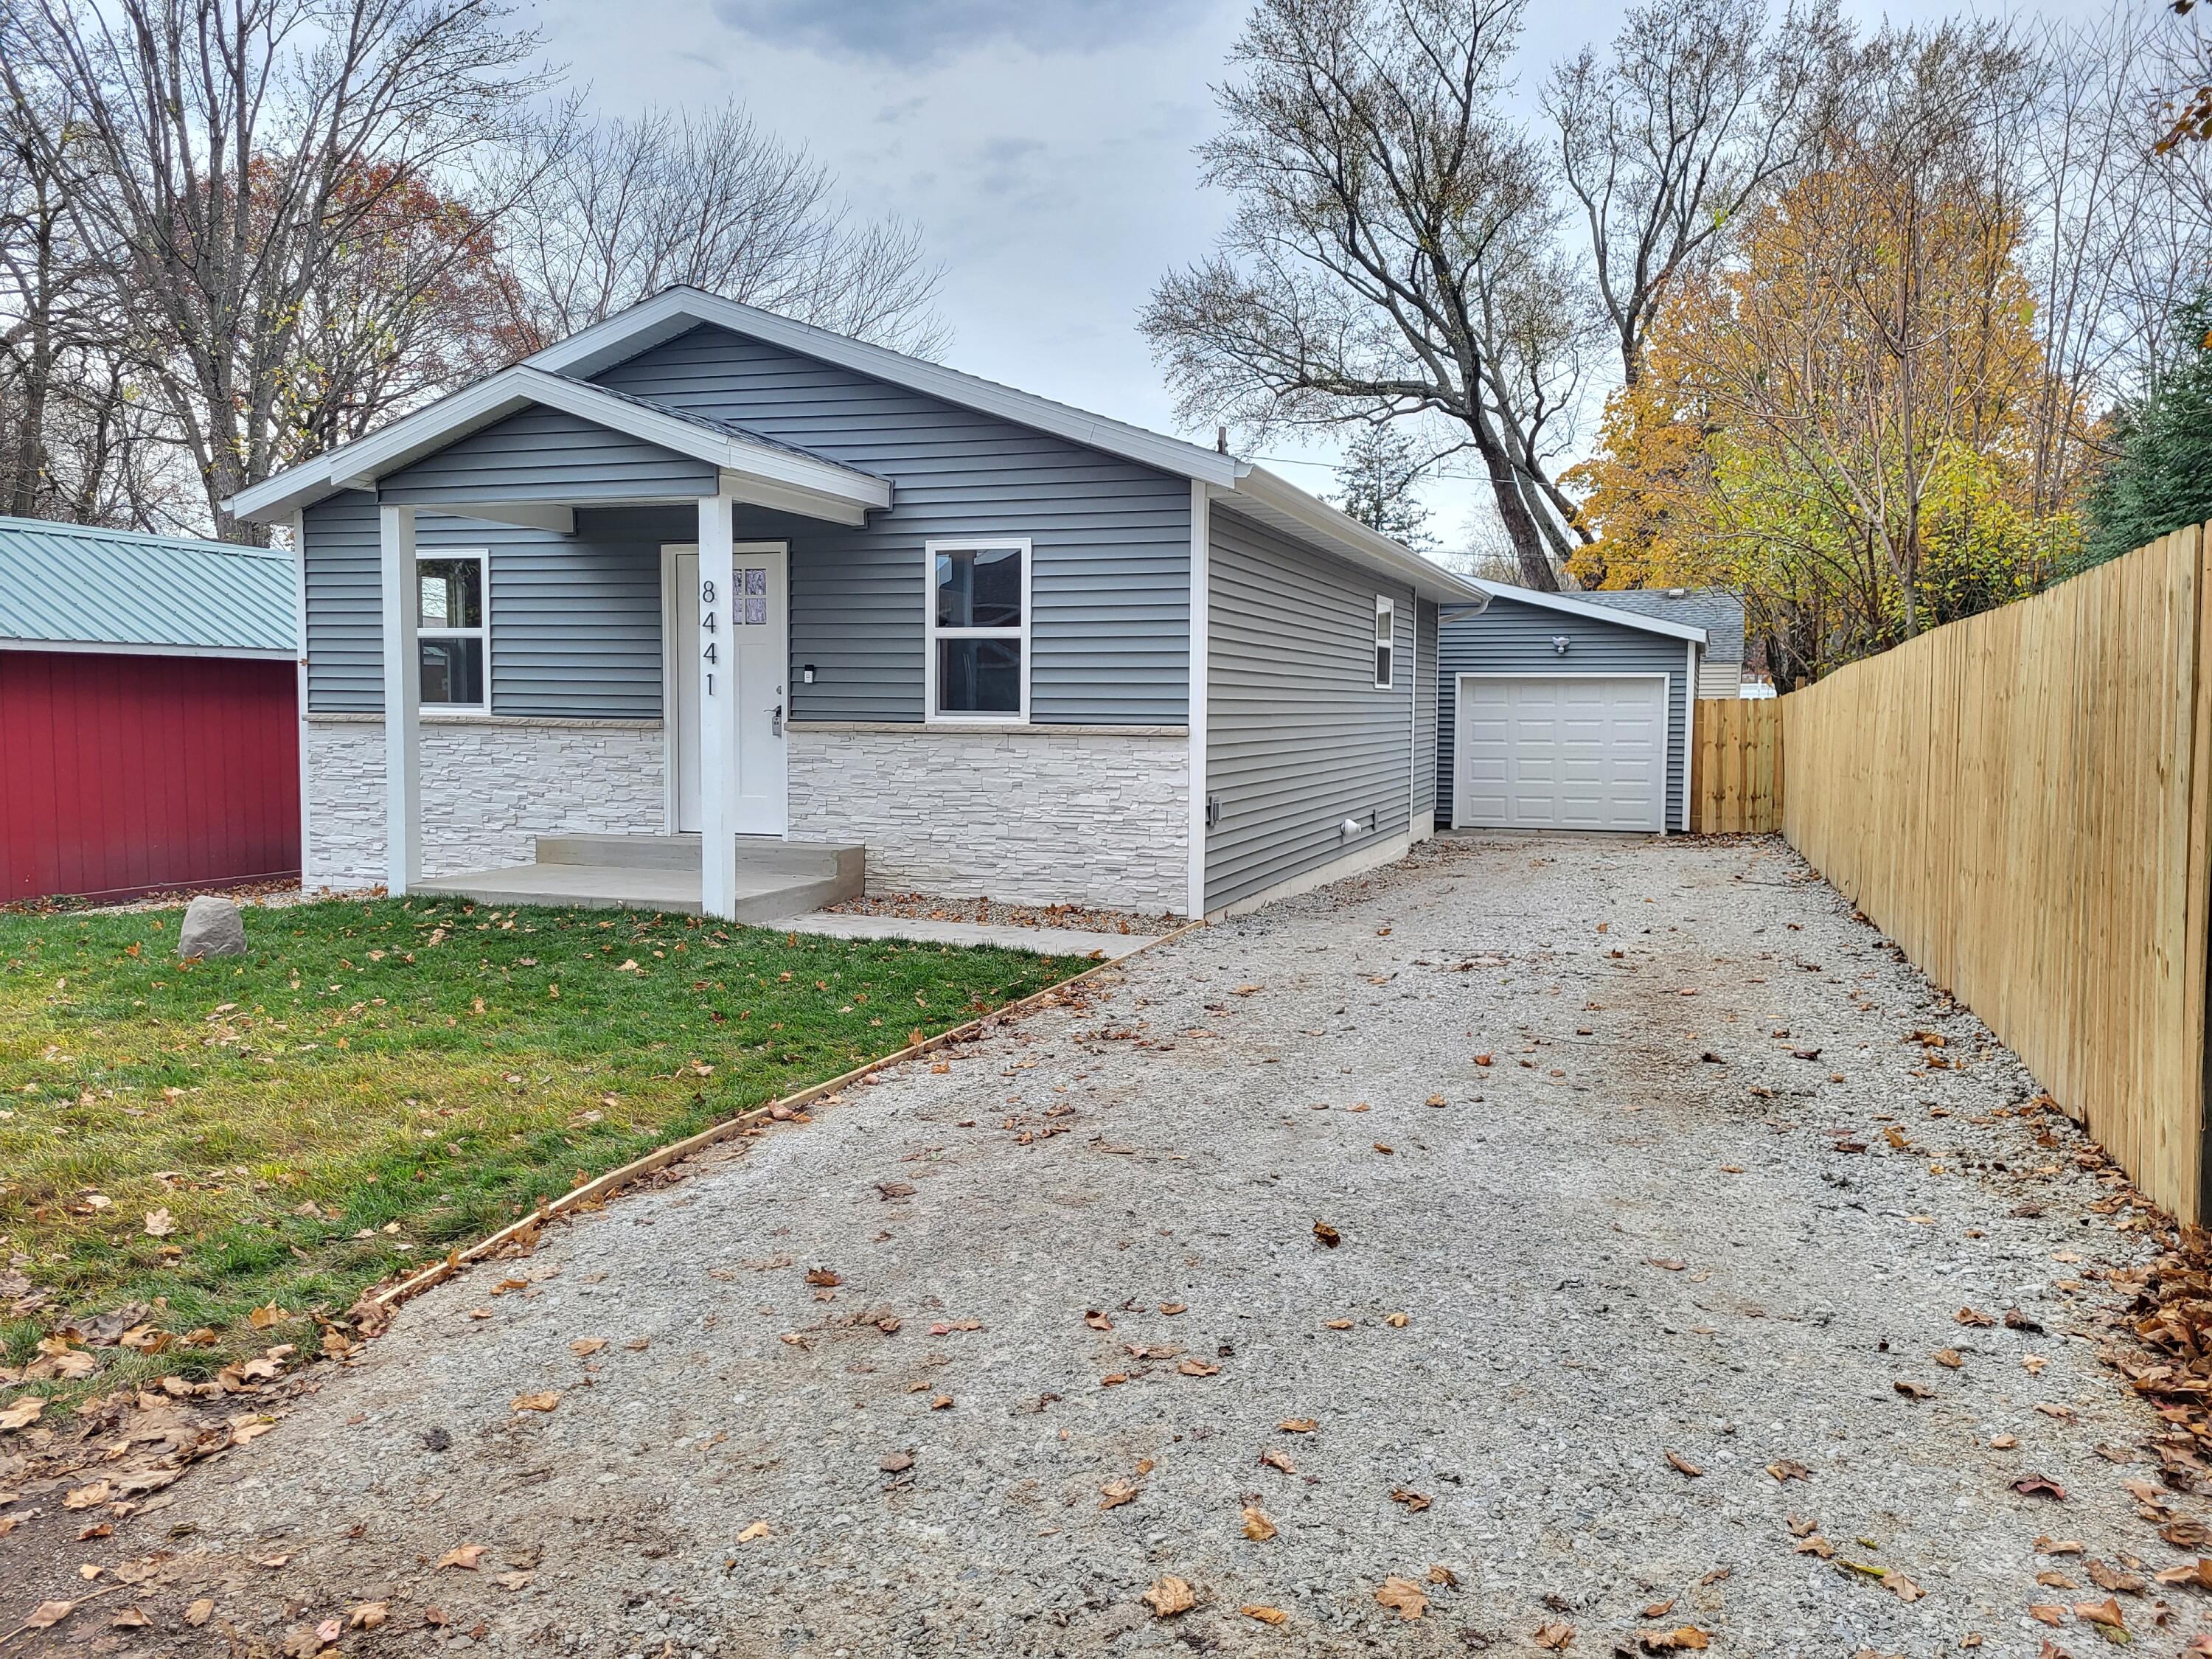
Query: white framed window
[
  {"x": 452, "y": 635},
  {"x": 978, "y": 633},
  {"x": 1386, "y": 639}
]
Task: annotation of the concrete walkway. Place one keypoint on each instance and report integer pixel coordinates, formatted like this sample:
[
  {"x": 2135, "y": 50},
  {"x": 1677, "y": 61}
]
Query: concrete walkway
[{"x": 1046, "y": 941}]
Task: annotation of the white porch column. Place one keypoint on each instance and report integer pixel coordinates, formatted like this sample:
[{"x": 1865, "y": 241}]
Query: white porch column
[
  {"x": 716, "y": 717},
  {"x": 403, "y": 701}
]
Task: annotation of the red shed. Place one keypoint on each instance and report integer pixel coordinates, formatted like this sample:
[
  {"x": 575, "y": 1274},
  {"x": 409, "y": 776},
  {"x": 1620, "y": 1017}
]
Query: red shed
[{"x": 149, "y": 732}]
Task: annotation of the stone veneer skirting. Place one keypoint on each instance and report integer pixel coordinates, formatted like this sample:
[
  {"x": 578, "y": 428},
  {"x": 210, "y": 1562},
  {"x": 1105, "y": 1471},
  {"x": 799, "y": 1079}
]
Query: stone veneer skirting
[
  {"x": 489, "y": 788},
  {"x": 1033, "y": 816},
  {"x": 1038, "y": 814}
]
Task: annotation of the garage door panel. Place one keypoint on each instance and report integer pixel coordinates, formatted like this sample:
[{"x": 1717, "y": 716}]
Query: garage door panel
[{"x": 1557, "y": 752}]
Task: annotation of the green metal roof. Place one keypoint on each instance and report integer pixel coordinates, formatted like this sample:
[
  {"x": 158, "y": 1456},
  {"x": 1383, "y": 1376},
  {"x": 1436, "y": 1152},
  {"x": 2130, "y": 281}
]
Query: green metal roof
[{"x": 77, "y": 584}]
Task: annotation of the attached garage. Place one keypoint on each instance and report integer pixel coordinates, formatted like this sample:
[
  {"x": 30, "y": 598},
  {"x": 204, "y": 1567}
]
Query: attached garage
[{"x": 1558, "y": 713}]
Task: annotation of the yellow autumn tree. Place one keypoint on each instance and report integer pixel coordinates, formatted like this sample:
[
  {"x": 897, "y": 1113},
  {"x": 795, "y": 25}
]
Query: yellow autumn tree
[{"x": 1837, "y": 423}]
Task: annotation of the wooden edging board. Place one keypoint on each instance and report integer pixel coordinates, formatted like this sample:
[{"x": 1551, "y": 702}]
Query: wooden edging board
[{"x": 614, "y": 1180}]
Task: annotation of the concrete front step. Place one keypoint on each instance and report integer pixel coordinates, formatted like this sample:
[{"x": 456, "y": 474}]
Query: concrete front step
[
  {"x": 775, "y": 878},
  {"x": 839, "y": 860}
]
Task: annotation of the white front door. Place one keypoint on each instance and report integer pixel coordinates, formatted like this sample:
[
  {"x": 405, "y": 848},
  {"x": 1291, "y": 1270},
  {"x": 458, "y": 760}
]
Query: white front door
[
  {"x": 755, "y": 656},
  {"x": 1557, "y": 752}
]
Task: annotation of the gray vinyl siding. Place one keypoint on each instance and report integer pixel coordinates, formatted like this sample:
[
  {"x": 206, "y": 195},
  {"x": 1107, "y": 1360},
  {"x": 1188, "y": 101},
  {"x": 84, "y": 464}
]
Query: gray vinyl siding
[
  {"x": 542, "y": 454},
  {"x": 575, "y": 621},
  {"x": 1109, "y": 632},
  {"x": 1298, "y": 736},
  {"x": 1514, "y": 638},
  {"x": 1424, "y": 705}
]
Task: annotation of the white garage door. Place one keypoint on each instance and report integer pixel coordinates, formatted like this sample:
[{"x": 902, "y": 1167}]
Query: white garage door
[{"x": 1555, "y": 752}]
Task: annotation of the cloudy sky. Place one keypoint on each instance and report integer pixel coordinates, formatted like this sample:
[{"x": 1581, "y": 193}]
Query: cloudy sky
[{"x": 1043, "y": 146}]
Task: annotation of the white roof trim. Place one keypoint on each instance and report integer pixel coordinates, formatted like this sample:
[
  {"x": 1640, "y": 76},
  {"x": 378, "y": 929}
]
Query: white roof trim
[
  {"x": 675, "y": 310},
  {"x": 1350, "y": 539},
  {"x": 359, "y": 464},
  {"x": 1604, "y": 613},
  {"x": 143, "y": 648}
]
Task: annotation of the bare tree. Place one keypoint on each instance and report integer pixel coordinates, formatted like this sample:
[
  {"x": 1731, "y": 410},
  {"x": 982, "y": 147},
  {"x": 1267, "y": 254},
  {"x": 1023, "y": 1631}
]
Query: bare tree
[
  {"x": 225, "y": 150},
  {"x": 1701, "y": 106},
  {"x": 619, "y": 211},
  {"x": 1379, "y": 194}
]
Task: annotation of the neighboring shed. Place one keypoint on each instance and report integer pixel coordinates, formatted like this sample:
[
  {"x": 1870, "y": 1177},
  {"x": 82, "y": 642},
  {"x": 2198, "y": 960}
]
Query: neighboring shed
[
  {"x": 1557, "y": 713},
  {"x": 148, "y": 713},
  {"x": 1719, "y": 612}
]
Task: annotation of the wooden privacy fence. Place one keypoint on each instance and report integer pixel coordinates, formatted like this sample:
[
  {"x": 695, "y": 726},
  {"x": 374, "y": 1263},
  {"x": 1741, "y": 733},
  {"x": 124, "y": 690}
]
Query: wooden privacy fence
[
  {"x": 2019, "y": 800},
  {"x": 1736, "y": 770}
]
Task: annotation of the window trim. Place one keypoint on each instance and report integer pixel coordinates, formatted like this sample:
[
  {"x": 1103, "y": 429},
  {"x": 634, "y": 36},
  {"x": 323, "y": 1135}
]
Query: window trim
[
  {"x": 931, "y": 633},
  {"x": 481, "y": 631},
  {"x": 1385, "y": 643}
]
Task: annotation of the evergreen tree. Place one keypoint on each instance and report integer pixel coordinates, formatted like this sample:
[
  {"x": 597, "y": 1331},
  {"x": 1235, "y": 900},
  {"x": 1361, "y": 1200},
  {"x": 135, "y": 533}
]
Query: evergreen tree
[
  {"x": 1376, "y": 478},
  {"x": 2160, "y": 477}
]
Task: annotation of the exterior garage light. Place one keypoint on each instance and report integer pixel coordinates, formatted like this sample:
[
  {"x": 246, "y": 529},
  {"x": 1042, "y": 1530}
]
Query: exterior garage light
[{"x": 1559, "y": 644}]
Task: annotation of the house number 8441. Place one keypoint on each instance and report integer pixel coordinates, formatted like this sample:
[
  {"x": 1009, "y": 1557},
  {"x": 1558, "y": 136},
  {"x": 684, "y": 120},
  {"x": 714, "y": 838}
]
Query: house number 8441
[{"x": 707, "y": 625}]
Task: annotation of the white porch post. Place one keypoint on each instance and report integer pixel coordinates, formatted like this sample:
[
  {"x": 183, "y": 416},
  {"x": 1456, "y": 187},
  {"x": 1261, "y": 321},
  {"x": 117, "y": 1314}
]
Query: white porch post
[
  {"x": 716, "y": 716},
  {"x": 403, "y": 701}
]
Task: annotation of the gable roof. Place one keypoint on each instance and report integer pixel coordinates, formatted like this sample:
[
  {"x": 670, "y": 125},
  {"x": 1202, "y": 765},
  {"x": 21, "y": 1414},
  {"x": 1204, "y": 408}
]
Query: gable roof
[
  {"x": 1715, "y": 610},
  {"x": 1579, "y": 605},
  {"x": 69, "y": 587},
  {"x": 569, "y": 363}
]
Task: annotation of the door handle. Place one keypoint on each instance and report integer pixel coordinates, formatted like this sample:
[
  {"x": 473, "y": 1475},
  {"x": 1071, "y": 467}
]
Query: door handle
[{"x": 775, "y": 721}]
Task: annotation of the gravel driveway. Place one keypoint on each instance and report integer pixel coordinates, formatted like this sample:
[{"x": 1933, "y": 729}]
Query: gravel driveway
[{"x": 1579, "y": 1298}]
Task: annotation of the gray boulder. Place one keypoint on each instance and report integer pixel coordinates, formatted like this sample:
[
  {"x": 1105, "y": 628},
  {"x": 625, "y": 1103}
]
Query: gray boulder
[{"x": 212, "y": 927}]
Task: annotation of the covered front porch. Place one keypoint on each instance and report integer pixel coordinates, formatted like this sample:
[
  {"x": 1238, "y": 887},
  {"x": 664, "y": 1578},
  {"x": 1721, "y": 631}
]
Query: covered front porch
[{"x": 533, "y": 450}]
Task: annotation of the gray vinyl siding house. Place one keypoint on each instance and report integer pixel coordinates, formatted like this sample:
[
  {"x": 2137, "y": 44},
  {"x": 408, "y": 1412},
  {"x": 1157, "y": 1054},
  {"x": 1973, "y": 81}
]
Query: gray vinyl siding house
[
  {"x": 980, "y": 620},
  {"x": 1545, "y": 764}
]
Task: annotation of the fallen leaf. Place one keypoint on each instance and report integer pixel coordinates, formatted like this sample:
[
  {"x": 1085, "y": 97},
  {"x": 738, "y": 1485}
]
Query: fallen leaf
[
  {"x": 1327, "y": 1235},
  {"x": 200, "y": 1611},
  {"x": 468, "y": 1557},
  {"x": 1681, "y": 1639},
  {"x": 160, "y": 1224},
  {"x": 586, "y": 1345},
  {"x": 1683, "y": 1465},
  {"x": 537, "y": 1402},
  {"x": 130, "y": 1618},
  {"x": 1658, "y": 1609},
  {"x": 1912, "y": 1390},
  {"x": 1784, "y": 1469},
  {"x": 1278, "y": 1459},
  {"x": 1555, "y": 1638},
  {"x": 2039, "y": 1486},
  {"x": 1118, "y": 1492},
  {"x": 20, "y": 1413},
  {"x": 1199, "y": 1368},
  {"x": 1949, "y": 1359},
  {"x": 1297, "y": 1425},
  {"x": 1443, "y": 1575},
  {"x": 758, "y": 1529},
  {"x": 890, "y": 1189},
  {"x": 1257, "y": 1526},
  {"x": 48, "y": 1614},
  {"x": 1405, "y": 1595},
  {"x": 1902, "y": 1587},
  {"x": 1414, "y": 1502},
  {"x": 2106, "y": 1612},
  {"x": 1169, "y": 1596},
  {"x": 1097, "y": 1320},
  {"x": 1266, "y": 1615},
  {"x": 368, "y": 1616}
]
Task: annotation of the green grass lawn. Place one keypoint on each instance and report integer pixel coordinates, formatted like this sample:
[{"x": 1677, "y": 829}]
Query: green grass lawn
[{"x": 378, "y": 1082}]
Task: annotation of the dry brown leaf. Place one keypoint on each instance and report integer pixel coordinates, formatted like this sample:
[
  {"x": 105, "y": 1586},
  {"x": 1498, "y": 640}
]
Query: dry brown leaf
[
  {"x": 1683, "y": 1465},
  {"x": 1297, "y": 1425},
  {"x": 20, "y": 1413},
  {"x": 2106, "y": 1612},
  {"x": 48, "y": 1614},
  {"x": 1337, "y": 1324},
  {"x": 1097, "y": 1320},
  {"x": 1195, "y": 1367},
  {"x": 1327, "y": 1235},
  {"x": 1949, "y": 1359},
  {"x": 1912, "y": 1390},
  {"x": 1443, "y": 1575},
  {"x": 537, "y": 1402},
  {"x": 160, "y": 1224},
  {"x": 200, "y": 1611},
  {"x": 1278, "y": 1459},
  {"x": 758, "y": 1530},
  {"x": 1266, "y": 1615},
  {"x": 1117, "y": 1492},
  {"x": 369, "y": 1615},
  {"x": 1682, "y": 1637},
  {"x": 1405, "y": 1595},
  {"x": 1784, "y": 1469},
  {"x": 1901, "y": 1587},
  {"x": 1659, "y": 1609},
  {"x": 468, "y": 1557},
  {"x": 1169, "y": 1596},
  {"x": 1414, "y": 1502},
  {"x": 1555, "y": 1638},
  {"x": 1257, "y": 1526},
  {"x": 586, "y": 1345}
]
